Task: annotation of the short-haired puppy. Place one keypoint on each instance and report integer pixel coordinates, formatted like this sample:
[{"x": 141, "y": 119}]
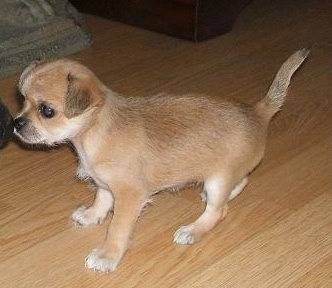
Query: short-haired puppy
[{"x": 134, "y": 147}]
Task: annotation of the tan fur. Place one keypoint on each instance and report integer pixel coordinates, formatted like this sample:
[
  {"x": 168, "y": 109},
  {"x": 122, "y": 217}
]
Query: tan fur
[{"x": 135, "y": 147}]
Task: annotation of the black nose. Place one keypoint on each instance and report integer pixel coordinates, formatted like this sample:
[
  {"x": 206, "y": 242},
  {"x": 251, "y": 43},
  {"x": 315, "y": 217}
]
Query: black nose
[{"x": 19, "y": 122}]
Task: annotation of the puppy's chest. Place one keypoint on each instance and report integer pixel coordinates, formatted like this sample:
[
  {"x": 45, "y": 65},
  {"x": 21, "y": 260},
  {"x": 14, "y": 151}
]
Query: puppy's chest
[{"x": 86, "y": 170}]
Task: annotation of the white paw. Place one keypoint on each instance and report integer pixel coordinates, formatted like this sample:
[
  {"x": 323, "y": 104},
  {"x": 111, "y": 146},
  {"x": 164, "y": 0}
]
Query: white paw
[
  {"x": 97, "y": 263},
  {"x": 84, "y": 216},
  {"x": 184, "y": 235}
]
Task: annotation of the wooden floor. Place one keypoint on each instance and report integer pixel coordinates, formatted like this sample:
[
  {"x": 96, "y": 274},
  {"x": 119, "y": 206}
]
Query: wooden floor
[{"x": 278, "y": 232}]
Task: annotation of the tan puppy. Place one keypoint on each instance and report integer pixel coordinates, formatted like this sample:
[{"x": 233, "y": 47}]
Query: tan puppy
[{"x": 135, "y": 147}]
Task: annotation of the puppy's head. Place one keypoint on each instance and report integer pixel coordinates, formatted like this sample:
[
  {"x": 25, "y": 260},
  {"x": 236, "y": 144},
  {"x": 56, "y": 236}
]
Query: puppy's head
[{"x": 60, "y": 98}]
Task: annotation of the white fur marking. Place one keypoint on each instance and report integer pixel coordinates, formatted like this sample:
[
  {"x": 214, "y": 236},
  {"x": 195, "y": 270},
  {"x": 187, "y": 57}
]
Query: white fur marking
[
  {"x": 184, "y": 235},
  {"x": 238, "y": 188},
  {"x": 95, "y": 262},
  {"x": 97, "y": 212}
]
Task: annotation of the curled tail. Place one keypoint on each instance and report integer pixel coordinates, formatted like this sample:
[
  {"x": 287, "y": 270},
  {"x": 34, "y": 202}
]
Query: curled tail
[{"x": 275, "y": 97}]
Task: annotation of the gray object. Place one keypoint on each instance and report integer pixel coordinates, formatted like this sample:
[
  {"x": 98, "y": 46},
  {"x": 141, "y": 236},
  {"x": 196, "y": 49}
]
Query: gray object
[
  {"x": 6, "y": 125},
  {"x": 37, "y": 30}
]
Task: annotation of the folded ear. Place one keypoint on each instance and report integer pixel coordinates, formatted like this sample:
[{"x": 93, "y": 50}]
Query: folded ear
[{"x": 81, "y": 95}]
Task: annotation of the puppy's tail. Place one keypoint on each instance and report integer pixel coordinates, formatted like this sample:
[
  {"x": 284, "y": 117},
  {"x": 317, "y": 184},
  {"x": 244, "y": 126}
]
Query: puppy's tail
[{"x": 275, "y": 97}]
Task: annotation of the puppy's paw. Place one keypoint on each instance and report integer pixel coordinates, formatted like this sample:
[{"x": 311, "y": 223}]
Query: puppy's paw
[
  {"x": 185, "y": 235},
  {"x": 84, "y": 217},
  {"x": 96, "y": 261}
]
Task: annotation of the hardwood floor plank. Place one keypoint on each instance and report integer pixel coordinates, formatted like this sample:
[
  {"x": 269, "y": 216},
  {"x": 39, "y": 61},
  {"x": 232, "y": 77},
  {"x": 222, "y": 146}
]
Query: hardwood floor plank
[
  {"x": 306, "y": 235},
  {"x": 320, "y": 276}
]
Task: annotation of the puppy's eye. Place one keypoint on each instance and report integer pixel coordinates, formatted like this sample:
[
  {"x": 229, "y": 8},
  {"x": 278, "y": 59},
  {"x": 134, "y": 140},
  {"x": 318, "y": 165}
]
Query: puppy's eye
[{"x": 46, "y": 111}]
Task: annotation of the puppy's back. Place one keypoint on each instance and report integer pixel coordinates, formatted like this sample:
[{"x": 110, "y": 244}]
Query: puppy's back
[{"x": 192, "y": 136}]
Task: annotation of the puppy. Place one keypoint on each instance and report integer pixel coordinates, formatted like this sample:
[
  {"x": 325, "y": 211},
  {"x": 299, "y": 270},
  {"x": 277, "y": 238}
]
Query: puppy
[
  {"x": 6, "y": 125},
  {"x": 134, "y": 147}
]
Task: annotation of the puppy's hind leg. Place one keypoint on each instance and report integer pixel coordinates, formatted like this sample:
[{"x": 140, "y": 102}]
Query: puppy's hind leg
[
  {"x": 217, "y": 190},
  {"x": 238, "y": 188},
  {"x": 235, "y": 192},
  {"x": 96, "y": 213}
]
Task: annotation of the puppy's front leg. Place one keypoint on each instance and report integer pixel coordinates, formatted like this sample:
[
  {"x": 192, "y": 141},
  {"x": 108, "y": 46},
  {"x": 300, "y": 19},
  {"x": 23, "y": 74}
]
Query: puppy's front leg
[
  {"x": 128, "y": 204},
  {"x": 96, "y": 213}
]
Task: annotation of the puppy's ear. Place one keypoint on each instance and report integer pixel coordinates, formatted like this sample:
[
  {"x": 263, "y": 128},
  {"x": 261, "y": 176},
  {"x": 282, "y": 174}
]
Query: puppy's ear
[{"x": 80, "y": 96}]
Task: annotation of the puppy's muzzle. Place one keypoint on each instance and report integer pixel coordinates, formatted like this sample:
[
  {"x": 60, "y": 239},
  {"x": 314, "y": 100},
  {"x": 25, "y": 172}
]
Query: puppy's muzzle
[{"x": 25, "y": 131}]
